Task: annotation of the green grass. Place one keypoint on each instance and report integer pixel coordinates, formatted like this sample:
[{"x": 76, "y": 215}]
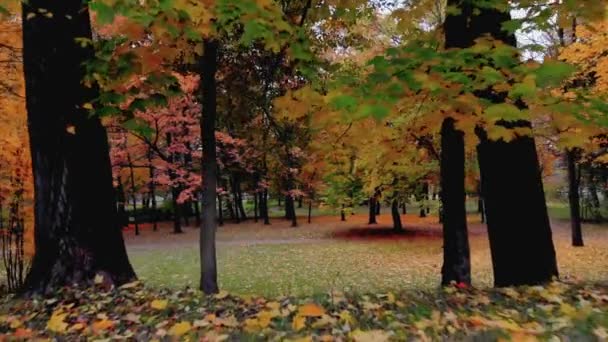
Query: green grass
[{"x": 311, "y": 267}]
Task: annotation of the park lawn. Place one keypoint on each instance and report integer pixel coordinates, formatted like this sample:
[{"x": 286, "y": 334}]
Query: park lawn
[{"x": 345, "y": 256}]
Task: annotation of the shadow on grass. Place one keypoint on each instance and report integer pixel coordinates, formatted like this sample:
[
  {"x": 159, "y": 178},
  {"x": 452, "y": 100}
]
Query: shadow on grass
[{"x": 388, "y": 233}]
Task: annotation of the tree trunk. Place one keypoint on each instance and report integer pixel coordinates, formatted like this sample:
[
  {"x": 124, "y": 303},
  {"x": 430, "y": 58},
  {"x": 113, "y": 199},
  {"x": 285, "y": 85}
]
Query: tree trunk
[
  {"x": 290, "y": 210},
  {"x": 404, "y": 208},
  {"x": 264, "y": 207},
  {"x": 152, "y": 191},
  {"x": 240, "y": 204},
  {"x": 309, "y": 211},
  {"x": 342, "y": 214},
  {"x": 208, "y": 68},
  {"x": 235, "y": 199},
  {"x": 220, "y": 211},
  {"x": 76, "y": 232},
  {"x": 378, "y": 207},
  {"x": 573, "y": 199},
  {"x": 456, "y": 256},
  {"x": 133, "y": 195},
  {"x": 397, "y": 226},
  {"x": 177, "y": 211},
  {"x": 372, "y": 211},
  {"x": 197, "y": 211},
  {"x": 279, "y": 201},
  {"x": 300, "y": 199},
  {"x": 518, "y": 225}
]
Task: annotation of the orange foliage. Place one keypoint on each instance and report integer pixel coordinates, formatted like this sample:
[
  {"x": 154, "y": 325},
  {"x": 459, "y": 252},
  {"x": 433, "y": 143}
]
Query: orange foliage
[{"x": 15, "y": 161}]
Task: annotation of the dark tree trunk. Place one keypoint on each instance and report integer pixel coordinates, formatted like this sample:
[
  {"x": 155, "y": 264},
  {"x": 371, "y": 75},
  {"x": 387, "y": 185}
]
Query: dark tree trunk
[
  {"x": 573, "y": 198},
  {"x": 76, "y": 232},
  {"x": 522, "y": 249},
  {"x": 397, "y": 226},
  {"x": 133, "y": 195},
  {"x": 378, "y": 207},
  {"x": 372, "y": 211},
  {"x": 152, "y": 191},
  {"x": 404, "y": 208},
  {"x": 186, "y": 210},
  {"x": 235, "y": 199},
  {"x": 241, "y": 205},
  {"x": 279, "y": 201},
  {"x": 208, "y": 68},
  {"x": 300, "y": 199},
  {"x": 197, "y": 211},
  {"x": 422, "y": 211},
  {"x": 290, "y": 210},
  {"x": 177, "y": 211},
  {"x": 456, "y": 256},
  {"x": 309, "y": 211},
  {"x": 220, "y": 210},
  {"x": 342, "y": 214},
  {"x": 264, "y": 207}
]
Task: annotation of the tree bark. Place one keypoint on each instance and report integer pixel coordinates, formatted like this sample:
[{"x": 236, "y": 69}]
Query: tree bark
[
  {"x": 77, "y": 234},
  {"x": 264, "y": 207},
  {"x": 378, "y": 207},
  {"x": 456, "y": 256},
  {"x": 397, "y": 226},
  {"x": 309, "y": 211},
  {"x": 372, "y": 211},
  {"x": 208, "y": 69},
  {"x": 342, "y": 214},
  {"x": 574, "y": 199}
]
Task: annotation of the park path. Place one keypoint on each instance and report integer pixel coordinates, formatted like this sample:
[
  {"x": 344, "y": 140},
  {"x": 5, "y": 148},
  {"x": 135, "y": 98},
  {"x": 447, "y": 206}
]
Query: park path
[{"x": 323, "y": 229}]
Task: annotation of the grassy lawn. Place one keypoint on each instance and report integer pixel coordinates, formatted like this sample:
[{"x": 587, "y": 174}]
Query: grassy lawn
[{"x": 331, "y": 255}]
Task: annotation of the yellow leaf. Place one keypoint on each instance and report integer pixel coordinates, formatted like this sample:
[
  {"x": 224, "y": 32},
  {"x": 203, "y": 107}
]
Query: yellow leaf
[
  {"x": 299, "y": 322},
  {"x": 370, "y": 336},
  {"x": 15, "y": 323},
  {"x": 159, "y": 304},
  {"x": 76, "y": 327},
  {"x": 180, "y": 328},
  {"x": 98, "y": 279},
  {"x": 87, "y": 106},
  {"x": 56, "y": 323},
  {"x": 311, "y": 310},
  {"x": 346, "y": 317}
]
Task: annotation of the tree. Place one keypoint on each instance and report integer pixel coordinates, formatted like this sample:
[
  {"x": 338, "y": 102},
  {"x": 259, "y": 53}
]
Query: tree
[
  {"x": 76, "y": 231},
  {"x": 456, "y": 256},
  {"x": 208, "y": 68},
  {"x": 511, "y": 180}
]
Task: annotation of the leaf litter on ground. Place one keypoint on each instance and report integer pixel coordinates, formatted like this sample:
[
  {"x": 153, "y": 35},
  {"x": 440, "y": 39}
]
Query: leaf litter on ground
[{"x": 134, "y": 312}]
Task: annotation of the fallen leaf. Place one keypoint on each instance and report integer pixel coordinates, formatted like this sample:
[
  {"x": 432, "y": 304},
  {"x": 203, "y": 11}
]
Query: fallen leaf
[
  {"x": 311, "y": 310},
  {"x": 159, "y": 304},
  {"x": 180, "y": 328}
]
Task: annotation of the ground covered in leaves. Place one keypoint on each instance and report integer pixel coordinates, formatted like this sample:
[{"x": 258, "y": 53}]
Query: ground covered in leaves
[
  {"x": 557, "y": 311},
  {"x": 346, "y": 256}
]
